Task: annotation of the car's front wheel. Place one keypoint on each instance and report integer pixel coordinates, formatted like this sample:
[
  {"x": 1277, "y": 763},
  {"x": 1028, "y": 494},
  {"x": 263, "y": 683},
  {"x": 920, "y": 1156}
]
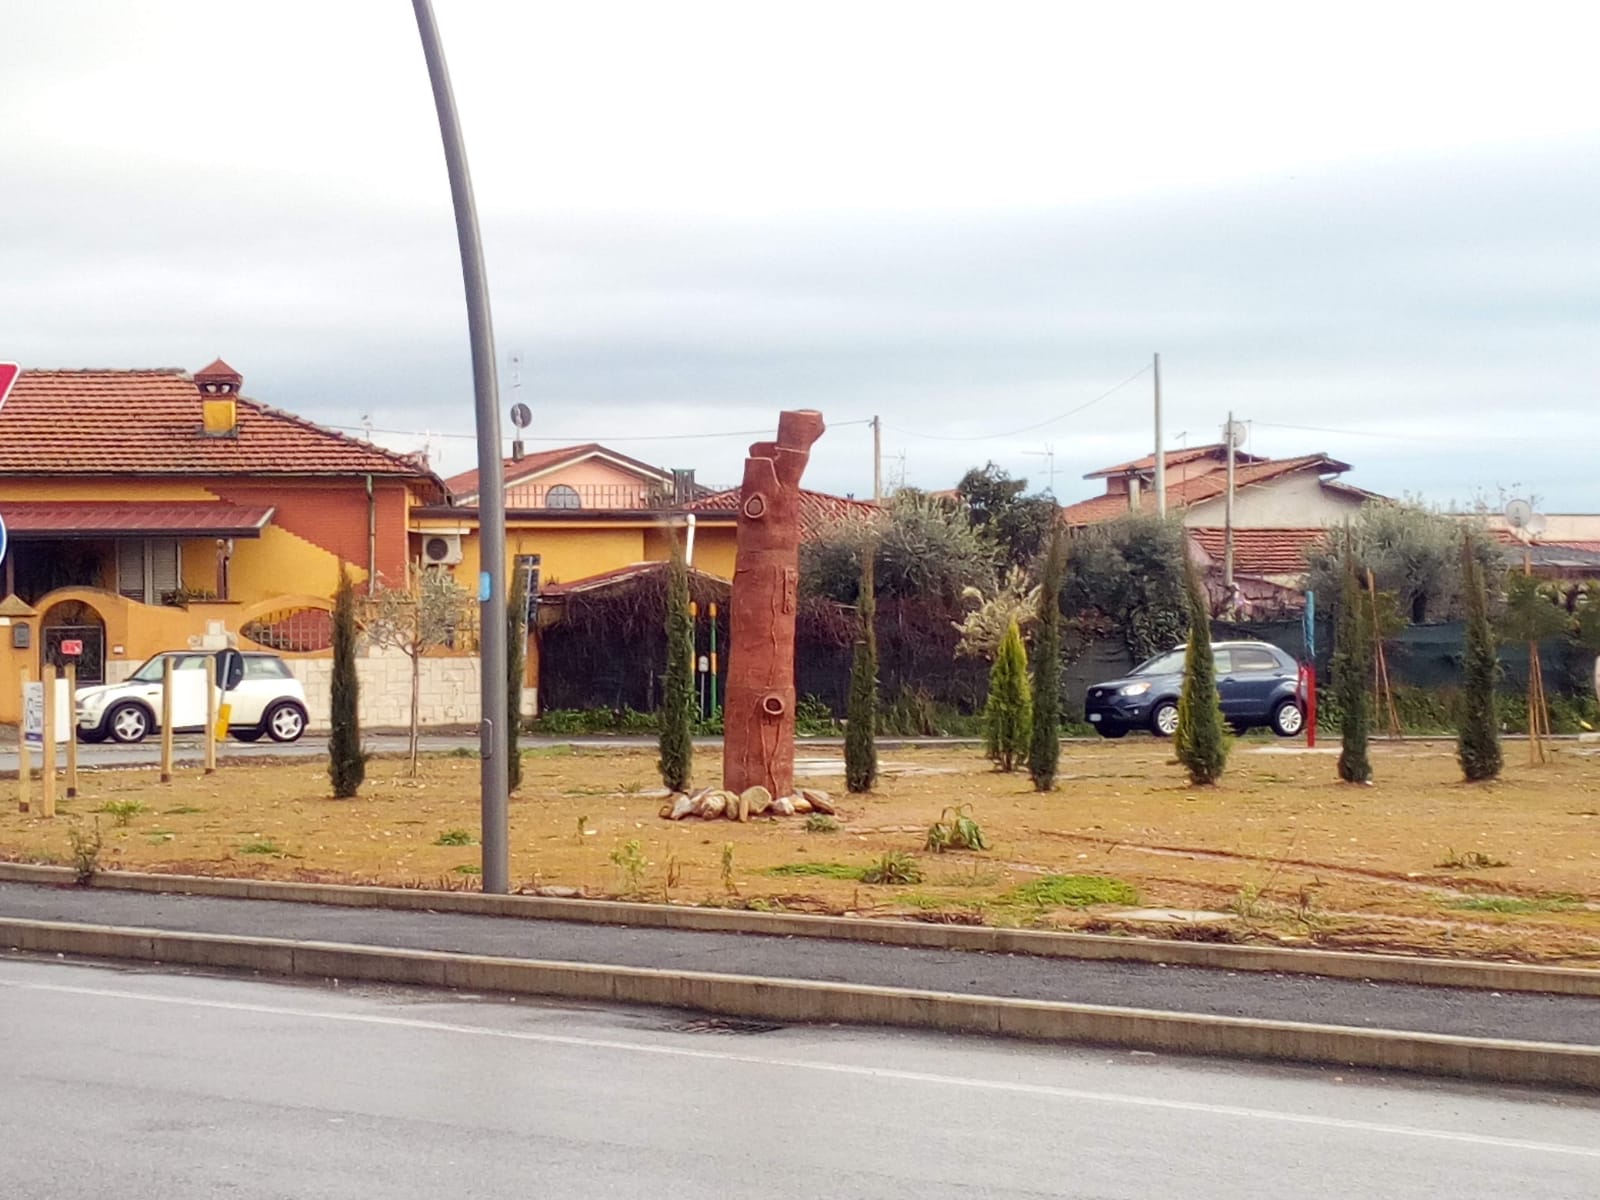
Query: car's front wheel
[
  {"x": 128, "y": 723},
  {"x": 1164, "y": 718},
  {"x": 1287, "y": 719},
  {"x": 285, "y": 721}
]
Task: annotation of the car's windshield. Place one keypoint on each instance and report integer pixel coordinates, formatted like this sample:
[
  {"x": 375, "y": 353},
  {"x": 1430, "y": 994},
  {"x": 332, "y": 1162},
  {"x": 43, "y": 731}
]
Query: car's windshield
[
  {"x": 150, "y": 670},
  {"x": 1170, "y": 663}
]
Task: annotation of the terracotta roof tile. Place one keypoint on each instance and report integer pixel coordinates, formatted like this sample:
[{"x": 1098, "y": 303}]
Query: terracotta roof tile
[
  {"x": 817, "y": 509},
  {"x": 1192, "y": 456},
  {"x": 1184, "y": 492},
  {"x": 133, "y": 518},
  {"x": 1260, "y": 551},
  {"x": 148, "y": 423}
]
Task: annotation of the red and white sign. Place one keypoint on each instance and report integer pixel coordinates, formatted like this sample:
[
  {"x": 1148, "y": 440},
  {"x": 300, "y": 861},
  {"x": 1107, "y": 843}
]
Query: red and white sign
[
  {"x": 71, "y": 647},
  {"x": 8, "y": 376}
]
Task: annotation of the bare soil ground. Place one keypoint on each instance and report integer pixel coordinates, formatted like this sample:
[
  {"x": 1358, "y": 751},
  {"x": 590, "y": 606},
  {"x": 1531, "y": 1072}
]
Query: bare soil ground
[{"x": 1281, "y": 851}]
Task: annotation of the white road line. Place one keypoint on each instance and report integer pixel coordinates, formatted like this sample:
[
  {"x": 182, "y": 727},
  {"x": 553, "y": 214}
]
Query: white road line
[{"x": 879, "y": 1073}]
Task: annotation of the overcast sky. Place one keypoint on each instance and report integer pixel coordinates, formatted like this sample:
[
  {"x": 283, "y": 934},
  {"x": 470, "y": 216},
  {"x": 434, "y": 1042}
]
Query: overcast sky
[{"x": 1380, "y": 223}]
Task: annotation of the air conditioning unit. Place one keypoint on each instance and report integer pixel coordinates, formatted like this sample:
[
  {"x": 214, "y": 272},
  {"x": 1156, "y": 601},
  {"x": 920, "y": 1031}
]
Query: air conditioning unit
[{"x": 441, "y": 549}]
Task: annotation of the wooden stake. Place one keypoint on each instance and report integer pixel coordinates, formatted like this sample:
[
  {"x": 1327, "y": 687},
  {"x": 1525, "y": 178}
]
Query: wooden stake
[
  {"x": 166, "y": 719},
  {"x": 47, "y": 763},
  {"x": 24, "y": 758},
  {"x": 72, "y": 731},
  {"x": 210, "y": 737}
]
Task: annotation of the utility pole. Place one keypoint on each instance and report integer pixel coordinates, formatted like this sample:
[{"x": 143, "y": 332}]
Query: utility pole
[
  {"x": 494, "y": 742},
  {"x": 877, "y": 461},
  {"x": 1227, "y": 512},
  {"x": 1161, "y": 452}
]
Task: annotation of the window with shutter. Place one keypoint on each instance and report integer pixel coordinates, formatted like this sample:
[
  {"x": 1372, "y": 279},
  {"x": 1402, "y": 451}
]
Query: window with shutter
[{"x": 130, "y": 569}]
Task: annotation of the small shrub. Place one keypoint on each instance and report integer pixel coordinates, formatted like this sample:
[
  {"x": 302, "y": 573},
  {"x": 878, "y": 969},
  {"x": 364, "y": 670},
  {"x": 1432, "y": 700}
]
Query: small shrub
[
  {"x": 1474, "y": 860},
  {"x": 817, "y": 870},
  {"x": 894, "y": 867},
  {"x": 1202, "y": 743},
  {"x": 821, "y": 823},
  {"x": 122, "y": 811},
  {"x": 261, "y": 846},
  {"x": 728, "y": 884},
  {"x": 85, "y": 852},
  {"x": 469, "y": 869},
  {"x": 629, "y": 859},
  {"x": 955, "y": 830},
  {"x": 1008, "y": 715},
  {"x": 454, "y": 837}
]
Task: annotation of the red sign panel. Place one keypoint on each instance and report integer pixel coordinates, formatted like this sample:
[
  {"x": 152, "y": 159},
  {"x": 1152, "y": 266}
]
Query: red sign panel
[
  {"x": 8, "y": 376},
  {"x": 71, "y": 647}
]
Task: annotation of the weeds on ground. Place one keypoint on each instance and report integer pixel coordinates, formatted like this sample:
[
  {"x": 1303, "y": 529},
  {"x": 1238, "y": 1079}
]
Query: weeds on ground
[
  {"x": 728, "y": 884},
  {"x": 629, "y": 860},
  {"x": 85, "y": 852},
  {"x": 821, "y": 823},
  {"x": 955, "y": 830},
  {"x": 1472, "y": 860},
  {"x": 261, "y": 846},
  {"x": 1071, "y": 891},
  {"x": 1515, "y": 904},
  {"x": 817, "y": 870},
  {"x": 122, "y": 811},
  {"x": 454, "y": 837},
  {"x": 468, "y": 869},
  {"x": 895, "y": 867}
]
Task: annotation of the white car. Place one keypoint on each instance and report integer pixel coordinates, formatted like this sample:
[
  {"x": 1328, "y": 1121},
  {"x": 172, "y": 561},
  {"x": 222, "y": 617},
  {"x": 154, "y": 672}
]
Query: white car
[{"x": 262, "y": 696}]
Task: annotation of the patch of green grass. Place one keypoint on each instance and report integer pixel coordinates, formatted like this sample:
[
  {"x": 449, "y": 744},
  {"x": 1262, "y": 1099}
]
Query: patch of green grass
[
  {"x": 454, "y": 837},
  {"x": 462, "y": 752},
  {"x": 818, "y": 870},
  {"x": 895, "y": 867},
  {"x": 469, "y": 869},
  {"x": 184, "y": 810},
  {"x": 1071, "y": 891},
  {"x": 1515, "y": 904},
  {"x": 261, "y": 846},
  {"x": 821, "y": 823}
]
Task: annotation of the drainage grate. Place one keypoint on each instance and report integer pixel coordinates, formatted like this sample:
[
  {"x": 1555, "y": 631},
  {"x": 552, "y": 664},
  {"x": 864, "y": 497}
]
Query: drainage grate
[{"x": 724, "y": 1025}]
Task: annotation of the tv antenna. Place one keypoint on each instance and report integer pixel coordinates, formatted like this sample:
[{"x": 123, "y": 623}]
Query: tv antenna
[
  {"x": 1049, "y": 456},
  {"x": 521, "y": 414}
]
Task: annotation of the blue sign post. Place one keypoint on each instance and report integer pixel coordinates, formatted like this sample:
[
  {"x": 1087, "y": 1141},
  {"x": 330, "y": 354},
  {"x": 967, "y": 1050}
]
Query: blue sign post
[{"x": 2, "y": 539}]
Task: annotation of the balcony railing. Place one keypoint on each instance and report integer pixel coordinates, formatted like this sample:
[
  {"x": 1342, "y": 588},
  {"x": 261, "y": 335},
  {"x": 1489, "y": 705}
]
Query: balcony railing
[{"x": 602, "y": 496}]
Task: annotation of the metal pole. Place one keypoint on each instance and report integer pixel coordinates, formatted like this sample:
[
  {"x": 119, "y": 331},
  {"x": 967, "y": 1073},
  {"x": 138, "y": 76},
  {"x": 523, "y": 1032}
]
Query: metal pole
[
  {"x": 1227, "y": 513},
  {"x": 494, "y": 744},
  {"x": 72, "y": 729},
  {"x": 877, "y": 461},
  {"x": 1161, "y": 453}
]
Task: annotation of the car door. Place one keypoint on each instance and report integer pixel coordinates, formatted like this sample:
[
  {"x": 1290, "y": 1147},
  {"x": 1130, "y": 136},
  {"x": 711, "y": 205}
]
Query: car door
[
  {"x": 1247, "y": 688},
  {"x": 244, "y": 706}
]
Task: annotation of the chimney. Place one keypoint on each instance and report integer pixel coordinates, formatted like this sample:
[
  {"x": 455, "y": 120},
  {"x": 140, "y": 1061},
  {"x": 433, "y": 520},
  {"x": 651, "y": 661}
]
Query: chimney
[
  {"x": 682, "y": 485},
  {"x": 1133, "y": 493},
  {"x": 218, "y": 386}
]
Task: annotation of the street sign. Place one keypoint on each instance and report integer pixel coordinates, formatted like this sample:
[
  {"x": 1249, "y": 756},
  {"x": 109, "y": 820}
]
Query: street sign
[
  {"x": 33, "y": 714},
  {"x": 8, "y": 376},
  {"x": 71, "y": 647}
]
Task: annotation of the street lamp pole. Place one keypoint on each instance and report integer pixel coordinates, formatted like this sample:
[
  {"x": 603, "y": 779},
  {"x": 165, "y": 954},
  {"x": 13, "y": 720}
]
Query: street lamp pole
[{"x": 494, "y": 740}]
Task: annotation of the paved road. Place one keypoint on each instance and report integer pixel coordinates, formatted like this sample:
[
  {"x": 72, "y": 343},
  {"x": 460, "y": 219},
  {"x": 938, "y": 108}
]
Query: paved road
[
  {"x": 146, "y": 1084},
  {"x": 1459, "y": 1011}
]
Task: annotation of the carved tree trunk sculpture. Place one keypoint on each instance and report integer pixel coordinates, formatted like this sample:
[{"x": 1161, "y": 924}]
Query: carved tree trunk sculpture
[{"x": 758, "y": 718}]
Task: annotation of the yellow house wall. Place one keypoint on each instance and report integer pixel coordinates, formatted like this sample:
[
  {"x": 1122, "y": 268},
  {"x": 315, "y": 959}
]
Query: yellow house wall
[{"x": 111, "y": 488}]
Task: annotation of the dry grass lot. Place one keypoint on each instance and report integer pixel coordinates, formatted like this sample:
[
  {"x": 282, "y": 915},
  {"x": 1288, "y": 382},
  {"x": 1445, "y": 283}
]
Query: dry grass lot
[{"x": 1281, "y": 851}]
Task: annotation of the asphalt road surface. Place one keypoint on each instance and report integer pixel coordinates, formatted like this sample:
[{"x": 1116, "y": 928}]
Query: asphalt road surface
[{"x": 144, "y": 1084}]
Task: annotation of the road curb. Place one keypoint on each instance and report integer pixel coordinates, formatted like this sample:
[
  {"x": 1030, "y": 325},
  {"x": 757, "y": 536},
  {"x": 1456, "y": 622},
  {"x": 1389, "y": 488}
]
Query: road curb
[
  {"x": 1333, "y": 964},
  {"x": 809, "y": 1002}
]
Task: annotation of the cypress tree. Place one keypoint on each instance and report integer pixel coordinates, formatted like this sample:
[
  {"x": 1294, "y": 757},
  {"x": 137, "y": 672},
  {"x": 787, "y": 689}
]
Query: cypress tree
[
  {"x": 347, "y": 763},
  {"x": 1008, "y": 716},
  {"x": 1201, "y": 742},
  {"x": 677, "y": 693},
  {"x": 861, "y": 723},
  {"x": 1352, "y": 670},
  {"x": 1044, "y": 754},
  {"x": 1478, "y": 744},
  {"x": 516, "y": 666}
]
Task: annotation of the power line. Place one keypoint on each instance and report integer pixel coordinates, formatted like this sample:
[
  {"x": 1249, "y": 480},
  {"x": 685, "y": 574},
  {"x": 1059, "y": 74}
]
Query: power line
[
  {"x": 1071, "y": 412},
  {"x": 634, "y": 437}
]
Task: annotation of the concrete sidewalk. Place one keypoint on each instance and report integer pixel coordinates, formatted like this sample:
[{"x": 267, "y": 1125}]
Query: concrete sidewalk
[{"x": 1192, "y": 990}]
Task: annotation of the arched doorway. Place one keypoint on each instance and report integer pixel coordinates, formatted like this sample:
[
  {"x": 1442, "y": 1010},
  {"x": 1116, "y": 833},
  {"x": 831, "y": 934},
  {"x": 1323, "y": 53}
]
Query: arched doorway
[{"x": 74, "y": 621}]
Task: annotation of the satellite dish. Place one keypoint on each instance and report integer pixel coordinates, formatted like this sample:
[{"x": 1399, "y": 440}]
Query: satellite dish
[
  {"x": 1518, "y": 513},
  {"x": 1536, "y": 525},
  {"x": 1234, "y": 433},
  {"x": 521, "y": 416}
]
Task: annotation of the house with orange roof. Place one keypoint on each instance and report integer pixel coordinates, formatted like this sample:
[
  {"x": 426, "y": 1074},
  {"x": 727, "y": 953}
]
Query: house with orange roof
[
  {"x": 154, "y": 509},
  {"x": 1281, "y": 508}
]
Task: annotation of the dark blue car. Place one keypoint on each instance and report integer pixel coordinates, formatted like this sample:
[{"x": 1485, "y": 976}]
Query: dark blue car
[{"x": 1257, "y": 683}]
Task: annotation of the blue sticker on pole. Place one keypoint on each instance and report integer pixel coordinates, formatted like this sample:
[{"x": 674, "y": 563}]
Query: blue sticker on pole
[
  {"x": 2, "y": 539},
  {"x": 485, "y": 587},
  {"x": 1310, "y": 630}
]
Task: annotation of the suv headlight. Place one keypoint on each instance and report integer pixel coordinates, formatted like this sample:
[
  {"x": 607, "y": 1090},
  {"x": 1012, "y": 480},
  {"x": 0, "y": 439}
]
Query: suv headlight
[{"x": 1133, "y": 689}]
